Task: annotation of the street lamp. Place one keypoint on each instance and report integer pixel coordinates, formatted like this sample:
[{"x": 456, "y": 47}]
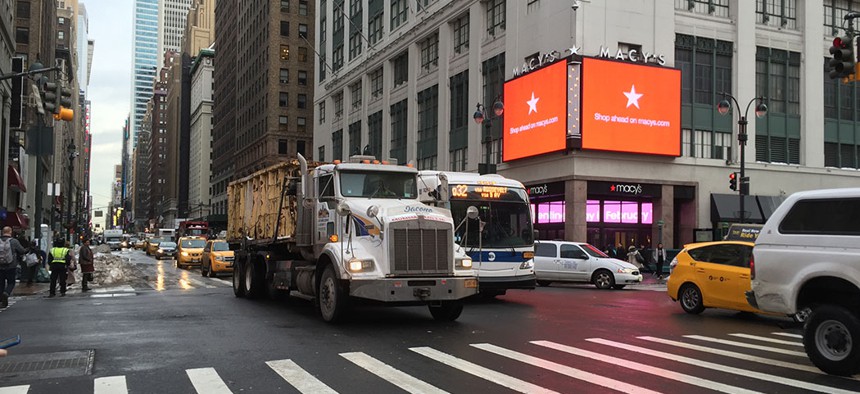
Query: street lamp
[
  {"x": 482, "y": 117},
  {"x": 760, "y": 111}
]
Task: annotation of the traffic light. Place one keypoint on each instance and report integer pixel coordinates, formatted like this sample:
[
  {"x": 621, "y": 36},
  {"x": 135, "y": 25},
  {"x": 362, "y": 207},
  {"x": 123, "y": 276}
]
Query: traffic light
[
  {"x": 733, "y": 181},
  {"x": 843, "y": 61},
  {"x": 50, "y": 96}
]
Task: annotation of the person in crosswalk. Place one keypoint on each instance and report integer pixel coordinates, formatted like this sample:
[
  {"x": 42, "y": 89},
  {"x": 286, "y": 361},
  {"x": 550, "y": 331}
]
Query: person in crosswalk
[{"x": 60, "y": 260}]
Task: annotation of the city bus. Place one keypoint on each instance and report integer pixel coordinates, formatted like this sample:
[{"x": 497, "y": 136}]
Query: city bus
[{"x": 500, "y": 238}]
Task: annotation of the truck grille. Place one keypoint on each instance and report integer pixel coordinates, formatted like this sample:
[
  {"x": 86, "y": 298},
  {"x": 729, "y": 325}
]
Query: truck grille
[{"x": 421, "y": 248}]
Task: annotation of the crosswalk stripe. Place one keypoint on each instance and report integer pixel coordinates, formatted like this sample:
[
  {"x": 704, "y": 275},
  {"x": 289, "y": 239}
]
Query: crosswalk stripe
[
  {"x": 298, "y": 377},
  {"x": 15, "y": 389},
  {"x": 747, "y": 345},
  {"x": 481, "y": 372},
  {"x": 722, "y": 368},
  {"x": 565, "y": 370},
  {"x": 664, "y": 373},
  {"x": 198, "y": 283},
  {"x": 766, "y": 339},
  {"x": 391, "y": 374},
  {"x": 207, "y": 381},
  {"x": 110, "y": 385},
  {"x": 741, "y": 356},
  {"x": 786, "y": 334}
]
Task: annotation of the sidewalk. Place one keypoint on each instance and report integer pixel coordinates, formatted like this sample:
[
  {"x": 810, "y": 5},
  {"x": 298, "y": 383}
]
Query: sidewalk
[{"x": 650, "y": 282}]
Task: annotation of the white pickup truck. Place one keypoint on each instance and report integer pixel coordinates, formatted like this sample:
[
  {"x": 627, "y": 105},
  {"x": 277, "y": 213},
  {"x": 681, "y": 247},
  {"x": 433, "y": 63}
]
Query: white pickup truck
[{"x": 807, "y": 259}]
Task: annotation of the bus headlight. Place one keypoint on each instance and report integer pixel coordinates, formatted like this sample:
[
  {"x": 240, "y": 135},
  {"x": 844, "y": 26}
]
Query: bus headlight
[
  {"x": 358, "y": 265},
  {"x": 463, "y": 263},
  {"x": 527, "y": 265}
]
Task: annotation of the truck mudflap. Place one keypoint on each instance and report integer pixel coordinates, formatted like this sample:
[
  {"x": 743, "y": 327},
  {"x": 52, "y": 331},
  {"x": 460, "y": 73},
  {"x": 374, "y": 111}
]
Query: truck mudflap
[{"x": 414, "y": 289}]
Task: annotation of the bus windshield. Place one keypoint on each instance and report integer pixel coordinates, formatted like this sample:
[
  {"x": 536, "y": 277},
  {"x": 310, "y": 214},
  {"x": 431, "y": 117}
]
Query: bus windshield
[
  {"x": 506, "y": 221},
  {"x": 378, "y": 184}
]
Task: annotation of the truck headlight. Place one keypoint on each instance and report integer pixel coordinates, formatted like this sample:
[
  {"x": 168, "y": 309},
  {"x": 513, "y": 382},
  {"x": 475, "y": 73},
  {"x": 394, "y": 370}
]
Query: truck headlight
[
  {"x": 358, "y": 265},
  {"x": 185, "y": 254},
  {"x": 528, "y": 264},
  {"x": 463, "y": 263}
]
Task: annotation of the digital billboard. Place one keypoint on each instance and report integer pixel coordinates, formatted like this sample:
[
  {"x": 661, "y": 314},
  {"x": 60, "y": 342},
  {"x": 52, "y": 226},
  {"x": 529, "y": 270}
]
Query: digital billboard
[
  {"x": 535, "y": 119},
  {"x": 630, "y": 108}
]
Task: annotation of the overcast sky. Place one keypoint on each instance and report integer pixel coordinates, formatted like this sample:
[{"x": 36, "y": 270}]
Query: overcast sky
[{"x": 109, "y": 91}]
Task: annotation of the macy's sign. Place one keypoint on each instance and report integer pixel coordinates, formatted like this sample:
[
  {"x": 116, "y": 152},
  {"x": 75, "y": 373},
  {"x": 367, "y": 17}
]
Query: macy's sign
[{"x": 626, "y": 188}]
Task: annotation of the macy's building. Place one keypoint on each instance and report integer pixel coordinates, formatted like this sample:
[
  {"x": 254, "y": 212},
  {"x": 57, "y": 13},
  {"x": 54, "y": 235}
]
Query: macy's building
[{"x": 610, "y": 108}]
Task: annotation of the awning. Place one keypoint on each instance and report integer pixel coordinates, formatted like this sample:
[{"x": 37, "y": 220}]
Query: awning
[
  {"x": 16, "y": 220},
  {"x": 16, "y": 183},
  {"x": 768, "y": 204},
  {"x": 726, "y": 208}
]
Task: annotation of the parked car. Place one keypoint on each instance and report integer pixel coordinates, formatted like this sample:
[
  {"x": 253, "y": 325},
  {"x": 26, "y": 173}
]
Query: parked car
[
  {"x": 189, "y": 251},
  {"x": 217, "y": 258},
  {"x": 711, "y": 275},
  {"x": 807, "y": 259},
  {"x": 165, "y": 249},
  {"x": 563, "y": 261}
]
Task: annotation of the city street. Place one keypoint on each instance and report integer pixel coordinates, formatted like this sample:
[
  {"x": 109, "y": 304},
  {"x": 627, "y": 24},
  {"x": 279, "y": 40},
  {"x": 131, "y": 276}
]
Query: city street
[{"x": 174, "y": 331}]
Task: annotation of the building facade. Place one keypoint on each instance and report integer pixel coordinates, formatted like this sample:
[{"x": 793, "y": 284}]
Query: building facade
[
  {"x": 424, "y": 66},
  {"x": 201, "y": 134},
  {"x": 174, "y": 14},
  {"x": 146, "y": 52},
  {"x": 224, "y": 108}
]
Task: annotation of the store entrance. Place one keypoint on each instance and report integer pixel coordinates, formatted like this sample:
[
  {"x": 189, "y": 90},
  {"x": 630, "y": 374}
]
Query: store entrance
[{"x": 603, "y": 238}]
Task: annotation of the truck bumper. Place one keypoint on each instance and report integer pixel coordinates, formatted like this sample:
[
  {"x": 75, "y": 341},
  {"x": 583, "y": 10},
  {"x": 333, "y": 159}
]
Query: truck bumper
[{"x": 414, "y": 289}]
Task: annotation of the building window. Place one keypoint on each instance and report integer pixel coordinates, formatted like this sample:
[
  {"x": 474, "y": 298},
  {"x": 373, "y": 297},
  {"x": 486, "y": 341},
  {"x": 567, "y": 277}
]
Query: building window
[
  {"x": 282, "y": 120},
  {"x": 459, "y": 159},
  {"x": 709, "y": 7},
  {"x": 461, "y": 33},
  {"x": 303, "y": 7},
  {"x": 321, "y": 153},
  {"x": 495, "y": 17},
  {"x": 61, "y": 21},
  {"x": 338, "y": 104},
  {"x": 301, "y": 124},
  {"x": 355, "y": 138},
  {"x": 777, "y": 138},
  {"x": 337, "y": 58},
  {"x": 285, "y": 5},
  {"x": 283, "y": 99},
  {"x": 300, "y": 147},
  {"x": 376, "y": 12},
  {"x": 282, "y": 147},
  {"x": 374, "y": 134},
  {"x": 337, "y": 145},
  {"x": 61, "y": 35},
  {"x": 303, "y": 77},
  {"x": 494, "y": 78},
  {"x": 321, "y": 111},
  {"x": 285, "y": 76},
  {"x": 23, "y": 9},
  {"x": 430, "y": 52},
  {"x": 303, "y": 54},
  {"x": 778, "y": 13},
  {"x": 398, "y": 13},
  {"x": 428, "y": 125},
  {"x": 399, "y": 127},
  {"x": 303, "y": 30},
  {"x": 22, "y": 35},
  {"x": 841, "y": 129},
  {"x": 355, "y": 94},
  {"x": 834, "y": 14},
  {"x": 302, "y": 101},
  {"x": 401, "y": 69},
  {"x": 376, "y": 83},
  {"x": 285, "y": 52},
  {"x": 355, "y": 27},
  {"x": 285, "y": 28},
  {"x": 458, "y": 137}
]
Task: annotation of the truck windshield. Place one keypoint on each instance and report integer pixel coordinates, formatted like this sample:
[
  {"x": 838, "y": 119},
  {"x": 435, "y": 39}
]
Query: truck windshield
[
  {"x": 193, "y": 243},
  {"x": 379, "y": 184},
  {"x": 506, "y": 223}
]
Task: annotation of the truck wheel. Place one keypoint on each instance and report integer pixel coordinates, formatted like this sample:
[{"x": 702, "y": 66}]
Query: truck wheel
[
  {"x": 238, "y": 281},
  {"x": 447, "y": 311},
  {"x": 331, "y": 298},
  {"x": 831, "y": 339},
  {"x": 691, "y": 299},
  {"x": 253, "y": 280}
]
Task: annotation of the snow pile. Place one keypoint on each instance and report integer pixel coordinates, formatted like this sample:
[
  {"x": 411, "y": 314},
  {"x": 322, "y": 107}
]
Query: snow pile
[
  {"x": 110, "y": 270},
  {"x": 103, "y": 248}
]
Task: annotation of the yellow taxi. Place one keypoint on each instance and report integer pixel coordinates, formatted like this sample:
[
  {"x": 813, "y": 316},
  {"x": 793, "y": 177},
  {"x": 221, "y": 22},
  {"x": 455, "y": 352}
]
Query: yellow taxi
[
  {"x": 217, "y": 258},
  {"x": 189, "y": 251},
  {"x": 711, "y": 275},
  {"x": 152, "y": 246}
]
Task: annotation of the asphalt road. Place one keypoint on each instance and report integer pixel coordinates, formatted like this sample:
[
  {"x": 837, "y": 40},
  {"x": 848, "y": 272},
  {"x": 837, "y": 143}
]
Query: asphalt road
[{"x": 173, "y": 331}]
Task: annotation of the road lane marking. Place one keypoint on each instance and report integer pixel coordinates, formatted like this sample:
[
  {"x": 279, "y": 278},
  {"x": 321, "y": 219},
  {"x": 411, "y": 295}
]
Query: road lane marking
[
  {"x": 299, "y": 378},
  {"x": 110, "y": 385},
  {"x": 564, "y": 370},
  {"x": 207, "y": 381},
  {"x": 722, "y": 368},
  {"x": 664, "y": 373},
  {"x": 747, "y": 345},
  {"x": 15, "y": 389},
  {"x": 392, "y": 375},
  {"x": 766, "y": 339},
  {"x": 481, "y": 372},
  {"x": 786, "y": 334},
  {"x": 741, "y": 356}
]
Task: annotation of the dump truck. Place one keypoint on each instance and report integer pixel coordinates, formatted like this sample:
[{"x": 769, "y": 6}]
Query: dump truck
[{"x": 341, "y": 232}]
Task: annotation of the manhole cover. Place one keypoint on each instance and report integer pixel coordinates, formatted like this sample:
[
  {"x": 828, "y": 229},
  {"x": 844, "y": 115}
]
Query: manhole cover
[{"x": 27, "y": 367}]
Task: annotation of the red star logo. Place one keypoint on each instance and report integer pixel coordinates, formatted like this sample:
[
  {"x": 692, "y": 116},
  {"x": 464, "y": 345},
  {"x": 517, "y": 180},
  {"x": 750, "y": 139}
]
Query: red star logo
[{"x": 612, "y": 188}]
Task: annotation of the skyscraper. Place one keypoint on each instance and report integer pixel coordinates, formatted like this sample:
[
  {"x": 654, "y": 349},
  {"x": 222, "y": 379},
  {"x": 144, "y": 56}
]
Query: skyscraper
[
  {"x": 145, "y": 58},
  {"x": 174, "y": 14}
]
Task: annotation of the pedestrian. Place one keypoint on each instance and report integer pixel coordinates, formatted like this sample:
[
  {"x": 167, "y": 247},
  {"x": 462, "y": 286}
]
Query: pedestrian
[
  {"x": 60, "y": 260},
  {"x": 634, "y": 257},
  {"x": 32, "y": 262},
  {"x": 659, "y": 258},
  {"x": 10, "y": 253},
  {"x": 85, "y": 257}
]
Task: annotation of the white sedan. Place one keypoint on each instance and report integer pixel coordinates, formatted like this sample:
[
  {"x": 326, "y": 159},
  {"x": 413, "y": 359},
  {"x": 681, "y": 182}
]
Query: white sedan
[{"x": 563, "y": 261}]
